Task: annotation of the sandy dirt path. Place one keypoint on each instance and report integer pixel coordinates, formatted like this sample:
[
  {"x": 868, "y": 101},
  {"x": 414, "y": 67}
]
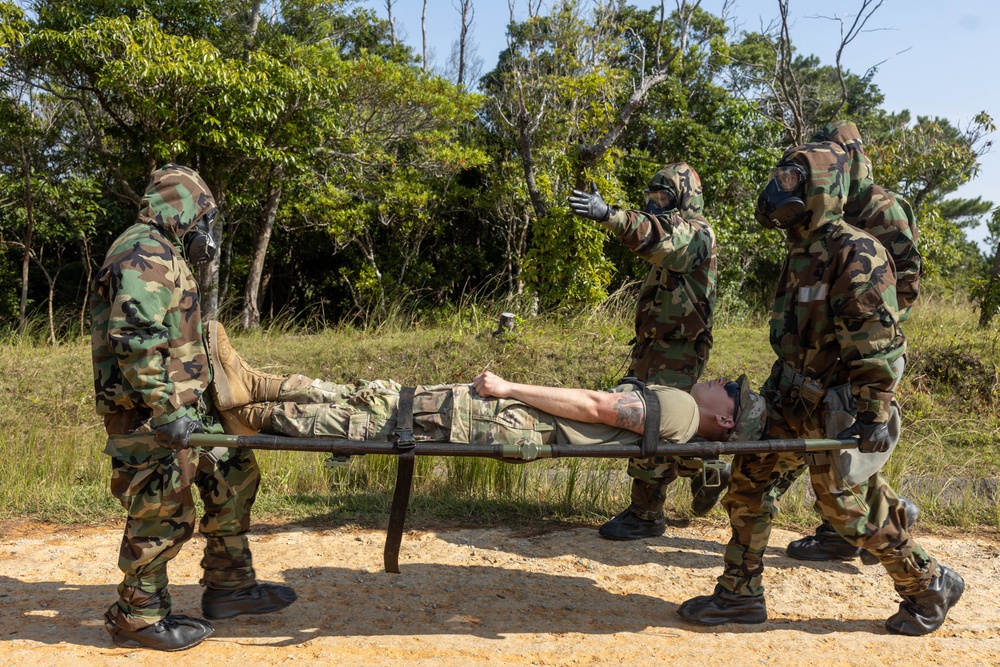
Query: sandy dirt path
[{"x": 492, "y": 596}]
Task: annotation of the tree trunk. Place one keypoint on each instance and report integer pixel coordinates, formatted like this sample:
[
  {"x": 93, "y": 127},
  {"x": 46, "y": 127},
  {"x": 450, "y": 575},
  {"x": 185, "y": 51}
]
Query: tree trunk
[
  {"x": 52, "y": 314},
  {"x": 423, "y": 33},
  {"x": 528, "y": 165},
  {"x": 392, "y": 21},
  {"x": 208, "y": 283},
  {"x": 250, "y": 317},
  {"x": 465, "y": 10},
  {"x": 51, "y": 280},
  {"x": 208, "y": 274},
  {"x": 226, "y": 261},
  {"x": 253, "y": 25},
  {"x": 991, "y": 300},
  {"x": 86, "y": 291},
  {"x": 22, "y": 321}
]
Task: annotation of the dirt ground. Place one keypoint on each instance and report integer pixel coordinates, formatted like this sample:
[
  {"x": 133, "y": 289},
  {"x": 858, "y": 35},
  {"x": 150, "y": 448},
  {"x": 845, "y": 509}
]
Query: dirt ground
[{"x": 493, "y": 596}]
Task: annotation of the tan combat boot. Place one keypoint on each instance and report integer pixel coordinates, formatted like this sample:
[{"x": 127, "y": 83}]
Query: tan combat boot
[
  {"x": 247, "y": 419},
  {"x": 234, "y": 381}
]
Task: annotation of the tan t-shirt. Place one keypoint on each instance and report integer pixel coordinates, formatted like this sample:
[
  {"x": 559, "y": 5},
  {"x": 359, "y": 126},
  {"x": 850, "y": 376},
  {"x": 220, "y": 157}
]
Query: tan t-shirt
[{"x": 678, "y": 421}]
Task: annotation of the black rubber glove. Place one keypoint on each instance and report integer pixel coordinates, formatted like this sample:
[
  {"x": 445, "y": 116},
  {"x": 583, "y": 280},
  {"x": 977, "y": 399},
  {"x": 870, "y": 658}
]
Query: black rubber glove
[
  {"x": 176, "y": 434},
  {"x": 589, "y": 205},
  {"x": 874, "y": 436}
]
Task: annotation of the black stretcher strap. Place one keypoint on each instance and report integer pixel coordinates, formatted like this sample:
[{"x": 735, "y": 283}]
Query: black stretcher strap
[
  {"x": 651, "y": 431},
  {"x": 403, "y": 437},
  {"x": 651, "y": 428}
]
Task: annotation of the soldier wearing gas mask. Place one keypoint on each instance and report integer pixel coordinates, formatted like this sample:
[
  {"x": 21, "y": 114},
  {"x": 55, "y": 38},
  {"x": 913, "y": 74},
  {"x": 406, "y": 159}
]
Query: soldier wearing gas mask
[
  {"x": 889, "y": 218},
  {"x": 673, "y": 327},
  {"x": 835, "y": 333},
  {"x": 151, "y": 376}
]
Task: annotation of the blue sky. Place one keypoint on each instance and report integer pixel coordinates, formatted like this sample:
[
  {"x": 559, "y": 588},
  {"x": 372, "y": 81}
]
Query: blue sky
[{"x": 940, "y": 59}]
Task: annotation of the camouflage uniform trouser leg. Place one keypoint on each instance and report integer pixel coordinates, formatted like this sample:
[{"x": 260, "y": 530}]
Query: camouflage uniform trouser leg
[
  {"x": 673, "y": 364},
  {"x": 441, "y": 413},
  {"x": 868, "y": 515},
  {"x": 752, "y": 505},
  {"x": 161, "y": 516}
]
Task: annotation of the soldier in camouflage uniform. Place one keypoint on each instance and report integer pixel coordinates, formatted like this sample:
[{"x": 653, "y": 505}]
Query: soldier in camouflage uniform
[
  {"x": 489, "y": 410},
  {"x": 673, "y": 327},
  {"x": 885, "y": 215},
  {"x": 151, "y": 373},
  {"x": 889, "y": 218},
  {"x": 834, "y": 329}
]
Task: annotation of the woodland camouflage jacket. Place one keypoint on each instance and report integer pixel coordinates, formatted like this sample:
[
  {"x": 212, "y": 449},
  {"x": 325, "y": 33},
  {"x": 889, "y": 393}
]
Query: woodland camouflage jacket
[
  {"x": 677, "y": 299},
  {"x": 883, "y": 214},
  {"x": 147, "y": 344},
  {"x": 834, "y": 315}
]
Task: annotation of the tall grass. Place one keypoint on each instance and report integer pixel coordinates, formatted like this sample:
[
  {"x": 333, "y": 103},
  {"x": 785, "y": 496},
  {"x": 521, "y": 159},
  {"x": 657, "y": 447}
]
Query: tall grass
[{"x": 51, "y": 441}]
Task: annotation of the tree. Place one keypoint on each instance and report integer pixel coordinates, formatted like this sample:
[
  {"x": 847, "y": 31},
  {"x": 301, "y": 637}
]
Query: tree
[
  {"x": 165, "y": 97},
  {"x": 559, "y": 99},
  {"x": 795, "y": 92},
  {"x": 465, "y": 64}
]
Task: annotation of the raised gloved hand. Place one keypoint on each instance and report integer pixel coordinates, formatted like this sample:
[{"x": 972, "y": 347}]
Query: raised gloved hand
[
  {"x": 589, "y": 204},
  {"x": 176, "y": 434},
  {"x": 873, "y": 436}
]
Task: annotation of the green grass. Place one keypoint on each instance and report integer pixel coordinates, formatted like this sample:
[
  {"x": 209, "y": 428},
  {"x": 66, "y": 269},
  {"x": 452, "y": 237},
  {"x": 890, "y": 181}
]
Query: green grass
[{"x": 52, "y": 467}]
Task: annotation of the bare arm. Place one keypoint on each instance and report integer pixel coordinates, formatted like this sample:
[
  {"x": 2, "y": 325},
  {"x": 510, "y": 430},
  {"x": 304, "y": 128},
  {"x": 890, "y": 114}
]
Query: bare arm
[{"x": 622, "y": 410}]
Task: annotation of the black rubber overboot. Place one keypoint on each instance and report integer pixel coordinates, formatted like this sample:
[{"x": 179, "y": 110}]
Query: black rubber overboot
[
  {"x": 704, "y": 498},
  {"x": 924, "y": 612},
  {"x": 174, "y": 633},
  {"x": 627, "y": 526},
  {"x": 647, "y": 501},
  {"x": 825, "y": 544},
  {"x": 219, "y": 603},
  {"x": 722, "y": 607}
]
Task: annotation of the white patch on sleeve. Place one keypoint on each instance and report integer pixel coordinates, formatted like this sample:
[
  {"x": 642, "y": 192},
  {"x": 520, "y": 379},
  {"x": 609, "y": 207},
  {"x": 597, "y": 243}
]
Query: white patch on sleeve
[{"x": 813, "y": 292}]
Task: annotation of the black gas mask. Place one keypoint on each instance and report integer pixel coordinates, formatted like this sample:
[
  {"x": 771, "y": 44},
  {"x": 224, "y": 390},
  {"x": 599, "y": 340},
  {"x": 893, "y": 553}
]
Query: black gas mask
[
  {"x": 199, "y": 243},
  {"x": 659, "y": 201},
  {"x": 782, "y": 201}
]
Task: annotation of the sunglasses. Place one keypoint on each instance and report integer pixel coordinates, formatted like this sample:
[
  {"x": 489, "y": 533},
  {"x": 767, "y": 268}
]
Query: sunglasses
[{"x": 733, "y": 390}]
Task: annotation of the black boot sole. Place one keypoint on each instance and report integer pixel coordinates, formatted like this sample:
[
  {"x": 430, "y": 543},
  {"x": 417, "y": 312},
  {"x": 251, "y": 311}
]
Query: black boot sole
[
  {"x": 842, "y": 559},
  {"x": 124, "y": 642}
]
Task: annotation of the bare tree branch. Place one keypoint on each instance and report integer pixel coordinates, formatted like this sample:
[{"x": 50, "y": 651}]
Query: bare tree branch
[{"x": 423, "y": 33}]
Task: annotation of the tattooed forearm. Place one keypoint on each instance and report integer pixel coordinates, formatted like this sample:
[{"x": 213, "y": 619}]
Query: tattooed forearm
[{"x": 630, "y": 413}]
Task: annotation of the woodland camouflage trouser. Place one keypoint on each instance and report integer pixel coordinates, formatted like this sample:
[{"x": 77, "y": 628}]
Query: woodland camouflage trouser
[
  {"x": 790, "y": 476},
  {"x": 673, "y": 364},
  {"x": 157, "y": 493},
  {"x": 366, "y": 410},
  {"x": 868, "y": 515}
]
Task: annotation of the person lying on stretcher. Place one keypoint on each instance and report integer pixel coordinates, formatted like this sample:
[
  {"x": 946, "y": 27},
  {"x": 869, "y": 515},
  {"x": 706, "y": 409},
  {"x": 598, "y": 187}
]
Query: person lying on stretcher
[{"x": 487, "y": 411}]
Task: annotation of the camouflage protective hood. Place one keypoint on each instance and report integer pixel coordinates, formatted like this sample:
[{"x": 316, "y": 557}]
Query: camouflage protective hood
[
  {"x": 826, "y": 166},
  {"x": 175, "y": 199},
  {"x": 685, "y": 184},
  {"x": 845, "y": 134}
]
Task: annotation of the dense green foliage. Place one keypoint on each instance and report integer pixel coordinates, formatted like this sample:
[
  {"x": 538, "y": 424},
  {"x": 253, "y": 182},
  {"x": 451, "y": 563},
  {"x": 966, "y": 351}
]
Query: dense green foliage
[{"x": 353, "y": 183}]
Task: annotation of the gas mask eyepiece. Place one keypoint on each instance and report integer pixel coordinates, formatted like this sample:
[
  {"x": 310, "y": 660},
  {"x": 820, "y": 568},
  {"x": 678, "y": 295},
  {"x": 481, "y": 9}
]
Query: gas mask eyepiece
[{"x": 659, "y": 201}]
